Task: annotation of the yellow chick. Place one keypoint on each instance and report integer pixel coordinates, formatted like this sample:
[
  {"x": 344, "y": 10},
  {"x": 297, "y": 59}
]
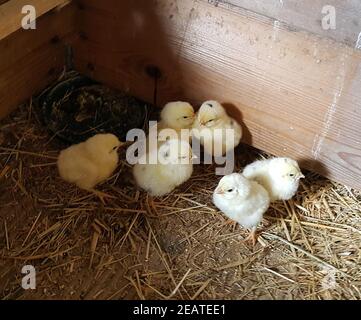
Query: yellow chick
[
  {"x": 88, "y": 163},
  {"x": 172, "y": 167},
  {"x": 176, "y": 115},
  {"x": 210, "y": 127},
  {"x": 242, "y": 200},
  {"x": 280, "y": 176}
]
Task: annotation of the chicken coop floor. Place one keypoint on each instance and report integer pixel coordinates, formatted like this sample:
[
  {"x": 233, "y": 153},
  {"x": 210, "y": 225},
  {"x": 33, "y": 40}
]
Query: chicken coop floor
[{"x": 177, "y": 247}]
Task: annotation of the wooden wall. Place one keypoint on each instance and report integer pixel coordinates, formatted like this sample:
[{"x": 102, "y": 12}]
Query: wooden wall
[
  {"x": 121, "y": 42},
  {"x": 31, "y": 59},
  {"x": 307, "y": 15},
  {"x": 296, "y": 89},
  {"x": 299, "y": 94}
]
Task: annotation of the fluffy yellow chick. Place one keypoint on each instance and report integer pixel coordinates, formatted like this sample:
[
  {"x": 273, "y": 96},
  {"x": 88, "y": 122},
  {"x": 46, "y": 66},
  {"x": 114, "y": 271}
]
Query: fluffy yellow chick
[
  {"x": 212, "y": 116},
  {"x": 176, "y": 115},
  {"x": 88, "y": 163},
  {"x": 242, "y": 200},
  {"x": 280, "y": 176},
  {"x": 172, "y": 168}
]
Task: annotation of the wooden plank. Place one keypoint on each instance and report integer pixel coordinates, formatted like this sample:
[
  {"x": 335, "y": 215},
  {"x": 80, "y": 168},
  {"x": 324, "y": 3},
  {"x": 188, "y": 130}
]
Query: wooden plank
[
  {"x": 28, "y": 77},
  {"x": 51, "y": 29},
  {"x": 134, "y": 42},
  {"x": 298, "y": 94},
  {"x": 30, "y": 60},
  {"x": 307, "y": 15},
  {"x": 11, "y": 13}
]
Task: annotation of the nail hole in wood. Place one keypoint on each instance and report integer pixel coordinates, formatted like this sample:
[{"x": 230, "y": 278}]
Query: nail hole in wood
[
  {"x": 54, "y": 39},
  {"x": 153, "y": 71}
]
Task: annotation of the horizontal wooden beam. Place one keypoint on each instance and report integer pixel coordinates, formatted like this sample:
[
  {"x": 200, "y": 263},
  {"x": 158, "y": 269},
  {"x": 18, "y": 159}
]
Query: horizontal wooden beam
[
  {"x": 11, "y": 13},
  {"x": 297, "y": 94}
]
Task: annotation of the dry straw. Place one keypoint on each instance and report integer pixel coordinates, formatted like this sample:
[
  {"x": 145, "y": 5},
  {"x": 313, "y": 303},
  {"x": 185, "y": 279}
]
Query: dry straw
[{"x": 174, "y": 247}]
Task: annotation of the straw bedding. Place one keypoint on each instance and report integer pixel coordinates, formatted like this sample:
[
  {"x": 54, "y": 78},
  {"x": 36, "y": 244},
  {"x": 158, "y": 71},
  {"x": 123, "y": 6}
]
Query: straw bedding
[{"x": 174, "y": 247}]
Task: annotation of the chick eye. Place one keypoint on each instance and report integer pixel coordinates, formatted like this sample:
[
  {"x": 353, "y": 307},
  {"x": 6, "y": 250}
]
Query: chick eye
[
  {"x": 185, "y": 117},
  {"x": 229, "y": 190},
  {"x": 210, "y": 105},
  {"x": 292, "y": 174},
  {"x": 115, "y": 148}
]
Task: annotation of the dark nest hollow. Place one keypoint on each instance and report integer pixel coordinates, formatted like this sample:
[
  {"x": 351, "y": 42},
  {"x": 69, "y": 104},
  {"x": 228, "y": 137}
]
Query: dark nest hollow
[{"x": 175, "y": 247}]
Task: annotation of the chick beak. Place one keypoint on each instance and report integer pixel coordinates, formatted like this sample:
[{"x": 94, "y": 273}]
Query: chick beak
[
  {"x": 121, "y": 144},
  {"x": 202, "y": 122},
  {"x": 301, "y": 176},
  {"x": 191, "y": 158},
  {"x": 219, "y": 191},
  {"x": 113, "y": 150}
]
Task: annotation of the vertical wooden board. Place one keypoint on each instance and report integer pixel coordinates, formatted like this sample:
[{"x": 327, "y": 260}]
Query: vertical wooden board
[
  {"x": 31, "y": 59},
  {"x": 123, "y": 42},
  {"x": 308, "y": 15}
]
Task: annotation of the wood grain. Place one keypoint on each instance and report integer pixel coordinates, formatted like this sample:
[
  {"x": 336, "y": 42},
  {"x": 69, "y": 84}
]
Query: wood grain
[
  {"x": 11, "y": 15},
  {"x": 134, "y": 42},
  {"x": 298, "y": 94},
  {"x": 307, "y": 15},
  {"x": 30, "y": 60}
]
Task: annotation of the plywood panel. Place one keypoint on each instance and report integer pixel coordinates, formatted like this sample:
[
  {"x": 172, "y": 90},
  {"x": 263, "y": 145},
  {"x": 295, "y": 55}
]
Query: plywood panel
[
  {"x": 298, "y": 94},
  {"x": 307, "y": 15},
  {"x": 30, "y": 60}
]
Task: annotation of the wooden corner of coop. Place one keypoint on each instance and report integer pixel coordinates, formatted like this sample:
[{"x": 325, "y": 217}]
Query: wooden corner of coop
[{"x": 294, "y": 85}]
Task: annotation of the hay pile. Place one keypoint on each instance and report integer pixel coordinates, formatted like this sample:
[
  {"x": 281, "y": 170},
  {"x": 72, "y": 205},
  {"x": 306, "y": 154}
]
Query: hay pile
[{"x": 175, "y": 247}]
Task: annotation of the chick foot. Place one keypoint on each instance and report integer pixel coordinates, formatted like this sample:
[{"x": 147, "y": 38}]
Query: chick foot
[
  {"x": 252, "y": 237},
  {"x": 231, "y": 223},
  {"x": 102, "y": 195}
]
